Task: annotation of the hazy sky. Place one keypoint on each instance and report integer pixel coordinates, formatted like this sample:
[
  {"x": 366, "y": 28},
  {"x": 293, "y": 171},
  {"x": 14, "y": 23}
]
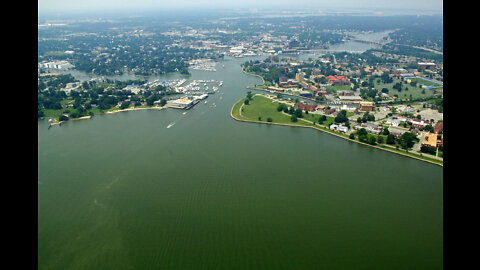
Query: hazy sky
[{"x": 81, "y": 5}]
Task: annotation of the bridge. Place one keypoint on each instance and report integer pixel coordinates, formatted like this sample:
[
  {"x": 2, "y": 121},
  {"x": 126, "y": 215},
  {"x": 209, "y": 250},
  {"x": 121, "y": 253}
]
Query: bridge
[
  {"x": 367, "y": 41},
  {"x": 332, "y": 50}
]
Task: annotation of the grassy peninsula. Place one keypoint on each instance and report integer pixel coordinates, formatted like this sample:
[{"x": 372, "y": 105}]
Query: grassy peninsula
[{"x": 262, "y": 108}]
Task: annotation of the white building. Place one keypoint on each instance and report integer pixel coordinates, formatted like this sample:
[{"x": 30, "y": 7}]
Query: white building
[
  {"x": 56, "y": 65},
  {"x": 182, "y": 103},
  {"x": 340, "y": 128},
  {"x": 394, "y": 122}
]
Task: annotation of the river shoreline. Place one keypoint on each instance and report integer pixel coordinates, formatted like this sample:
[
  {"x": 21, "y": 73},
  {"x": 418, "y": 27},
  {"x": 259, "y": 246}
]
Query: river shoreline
[
  {"x": 109, "y": 112},
  {"x": 329, "y": 132}
]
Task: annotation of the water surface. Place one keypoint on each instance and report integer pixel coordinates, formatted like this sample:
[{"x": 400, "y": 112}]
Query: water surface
[{"x": 123, "y": 191}]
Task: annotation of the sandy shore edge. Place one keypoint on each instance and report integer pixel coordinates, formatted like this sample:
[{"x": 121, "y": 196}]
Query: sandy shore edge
[{"x": 109, "y": 112}]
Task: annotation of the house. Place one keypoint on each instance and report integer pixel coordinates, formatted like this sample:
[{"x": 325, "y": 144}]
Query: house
[{"x": 340, "y": 128}]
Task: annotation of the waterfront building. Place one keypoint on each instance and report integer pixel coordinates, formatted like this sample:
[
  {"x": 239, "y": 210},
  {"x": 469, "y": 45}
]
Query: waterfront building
[
  {"x": 182, "y": 103},
  {"x": 340, "y": 128}
]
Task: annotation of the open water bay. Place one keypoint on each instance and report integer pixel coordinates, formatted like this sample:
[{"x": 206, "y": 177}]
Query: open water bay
[{"x": 123, "y": 191}]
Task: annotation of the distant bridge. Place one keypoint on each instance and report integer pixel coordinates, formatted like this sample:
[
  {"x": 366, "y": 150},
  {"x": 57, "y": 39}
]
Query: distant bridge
[
  {"x": 374, "y": 42},
  {"x": 333, "y": 50}
]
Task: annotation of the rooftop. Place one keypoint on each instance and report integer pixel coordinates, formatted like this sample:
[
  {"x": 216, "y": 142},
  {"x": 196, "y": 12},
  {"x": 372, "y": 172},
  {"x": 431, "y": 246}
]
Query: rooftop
[{"x": 430, "y": 139}]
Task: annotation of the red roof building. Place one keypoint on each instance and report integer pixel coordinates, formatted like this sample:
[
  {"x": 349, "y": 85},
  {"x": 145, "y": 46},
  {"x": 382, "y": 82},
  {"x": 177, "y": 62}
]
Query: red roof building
[
  {"x": 338, "y": 80},
  {"x": 306, "y": 107},
  {"x": 438, "y": 128}
]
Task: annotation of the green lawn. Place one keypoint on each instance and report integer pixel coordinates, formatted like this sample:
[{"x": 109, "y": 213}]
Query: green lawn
[
  {"x": 263, "y": 107},
  {"x": 336, "y": 88},
  {"x": 415, "y": 91},
  {"x": 425, "y": 82}
]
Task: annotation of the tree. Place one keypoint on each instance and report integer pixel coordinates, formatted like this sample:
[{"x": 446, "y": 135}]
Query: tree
[
  {"x": 362, "y": 132},
  {"x": 63, "y": 118},
  {"x": 294, "y": 118},
  {"x": 321, "y": 119},
  {"x": 246, "y": 102},
  {"x": 341, "y": 117},
  {"x": 372, "y": 139},
  {"x": 385, "y": 131},
  {"x": 269, "y": 119},
  {"x": 249, "y": 95},
  {"x": 298, "y": 113},
  {"x": 407, "y": 140},
  {"x": 428, "y": 149},
  {"x": 124, "y": 105},
  {"x": 150, "y": 100}
]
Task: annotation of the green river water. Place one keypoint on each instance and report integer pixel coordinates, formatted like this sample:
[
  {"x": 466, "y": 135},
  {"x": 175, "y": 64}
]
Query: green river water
[{"x": 123, "y": 191}]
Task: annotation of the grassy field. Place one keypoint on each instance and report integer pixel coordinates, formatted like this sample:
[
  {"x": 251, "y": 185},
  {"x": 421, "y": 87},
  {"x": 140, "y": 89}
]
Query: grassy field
[
  {"x": 335, "y": 88},
  {"x": 415, "y": 91},
  {"x": 264, "y": 108}
]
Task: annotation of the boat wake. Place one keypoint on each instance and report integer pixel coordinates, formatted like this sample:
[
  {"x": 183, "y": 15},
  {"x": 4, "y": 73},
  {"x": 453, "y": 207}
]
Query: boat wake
[{"x": 97, "y": 203}]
